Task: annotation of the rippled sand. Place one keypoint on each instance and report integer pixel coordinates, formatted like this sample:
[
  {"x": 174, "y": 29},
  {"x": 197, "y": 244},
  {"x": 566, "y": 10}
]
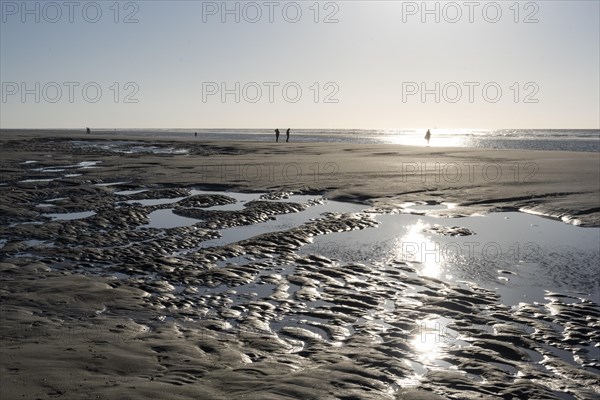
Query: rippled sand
[{"x": 129, "y": 289}]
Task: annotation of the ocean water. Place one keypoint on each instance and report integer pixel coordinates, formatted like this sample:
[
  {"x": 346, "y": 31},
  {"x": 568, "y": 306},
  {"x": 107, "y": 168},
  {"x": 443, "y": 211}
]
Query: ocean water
[{"x": 587, "y": 140}]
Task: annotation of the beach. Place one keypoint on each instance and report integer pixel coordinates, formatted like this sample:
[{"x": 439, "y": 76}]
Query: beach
[
  {"x": 181, "y": 268},
  {"x": 558, "y": 184}
]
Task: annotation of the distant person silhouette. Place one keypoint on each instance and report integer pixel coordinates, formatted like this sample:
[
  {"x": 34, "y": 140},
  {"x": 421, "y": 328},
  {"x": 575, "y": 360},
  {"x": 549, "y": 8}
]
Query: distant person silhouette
[
  {"x": 195, "y": 134},
  {"x": 428, "y": 136},
  {"x": 88, "y": 130},
  {"x": 287, "y": 135},
  {"x": 277, "y": 135}
]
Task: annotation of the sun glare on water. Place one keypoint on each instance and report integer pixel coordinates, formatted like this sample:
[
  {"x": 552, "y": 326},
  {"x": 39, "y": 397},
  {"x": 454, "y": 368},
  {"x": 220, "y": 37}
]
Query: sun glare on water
[
  {"x": 439, "y": 137},
  {"x": 427, "y": 345},
  {"x": 416, "y": 246}
]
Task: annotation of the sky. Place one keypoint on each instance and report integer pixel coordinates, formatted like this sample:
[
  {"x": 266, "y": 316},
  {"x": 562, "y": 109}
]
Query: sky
[{"x": 306, "y": 64}]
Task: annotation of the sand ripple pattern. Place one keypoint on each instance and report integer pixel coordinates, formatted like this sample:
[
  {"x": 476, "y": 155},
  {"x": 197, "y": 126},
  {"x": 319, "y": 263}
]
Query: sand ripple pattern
[{"x": 157, "y": 311}]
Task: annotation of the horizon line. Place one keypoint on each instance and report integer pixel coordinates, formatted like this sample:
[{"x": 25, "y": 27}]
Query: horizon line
[{"x": 271, "y": 128}]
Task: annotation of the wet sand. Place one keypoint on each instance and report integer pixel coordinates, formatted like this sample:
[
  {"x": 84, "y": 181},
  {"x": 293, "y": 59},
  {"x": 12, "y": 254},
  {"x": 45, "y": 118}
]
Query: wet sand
[
  {"x": 559, "y": 184},
  {"x": 106, "y": 304}
]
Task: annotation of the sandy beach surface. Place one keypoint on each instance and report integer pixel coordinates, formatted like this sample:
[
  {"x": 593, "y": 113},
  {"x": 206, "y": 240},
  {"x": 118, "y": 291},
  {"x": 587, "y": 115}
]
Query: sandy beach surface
[
  {"x": 97, "y": 301},
  {"x": 558, "y": 184}
]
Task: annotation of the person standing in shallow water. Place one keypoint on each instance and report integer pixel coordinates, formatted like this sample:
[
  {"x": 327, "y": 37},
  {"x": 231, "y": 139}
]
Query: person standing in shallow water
[
  {"x": 428, "y": 136},
  {"x": 87, "y": 130},
  {"x": 287, "y": 135},
  {"x": 277, "y": 135}
]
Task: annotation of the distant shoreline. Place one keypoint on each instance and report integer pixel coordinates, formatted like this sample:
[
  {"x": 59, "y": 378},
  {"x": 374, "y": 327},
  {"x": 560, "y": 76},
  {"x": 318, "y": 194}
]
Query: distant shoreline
[{"x": 579, "y": 140}]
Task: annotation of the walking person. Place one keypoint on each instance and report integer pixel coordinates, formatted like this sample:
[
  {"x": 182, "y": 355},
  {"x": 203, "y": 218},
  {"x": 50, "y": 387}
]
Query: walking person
[
  {"x": 428, "y": 136},
  {"x": 277, "y": 135},
  {"x": 287, "y": 135}
]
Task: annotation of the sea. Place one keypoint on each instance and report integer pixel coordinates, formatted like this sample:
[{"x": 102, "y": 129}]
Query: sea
[{"x": 584, "y": 140}]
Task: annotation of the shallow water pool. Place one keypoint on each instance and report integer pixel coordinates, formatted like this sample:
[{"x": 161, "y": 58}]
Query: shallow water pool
[
  {"x": 70, "y": 216},
  {"x": 166, "y": 219},
  {"x": 520, "y": 255}
]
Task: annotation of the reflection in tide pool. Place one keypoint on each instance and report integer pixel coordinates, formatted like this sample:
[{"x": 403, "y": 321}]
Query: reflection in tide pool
[
  {"x": 428, "y": 254},
  {"x": 430, "y": 340},
  {"x": 432, "y": 337},
  {"x": 427, "y": 348},
  {"x": 516, "y": 254}
]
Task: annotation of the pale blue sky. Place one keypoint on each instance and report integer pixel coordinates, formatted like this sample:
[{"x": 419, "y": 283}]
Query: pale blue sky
[{"x": 370, "y": 55}]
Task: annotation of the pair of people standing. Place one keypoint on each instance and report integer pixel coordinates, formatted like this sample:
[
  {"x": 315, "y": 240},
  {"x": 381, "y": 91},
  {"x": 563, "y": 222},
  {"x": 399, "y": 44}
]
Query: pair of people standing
[{"x": 287, "y": 135}]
